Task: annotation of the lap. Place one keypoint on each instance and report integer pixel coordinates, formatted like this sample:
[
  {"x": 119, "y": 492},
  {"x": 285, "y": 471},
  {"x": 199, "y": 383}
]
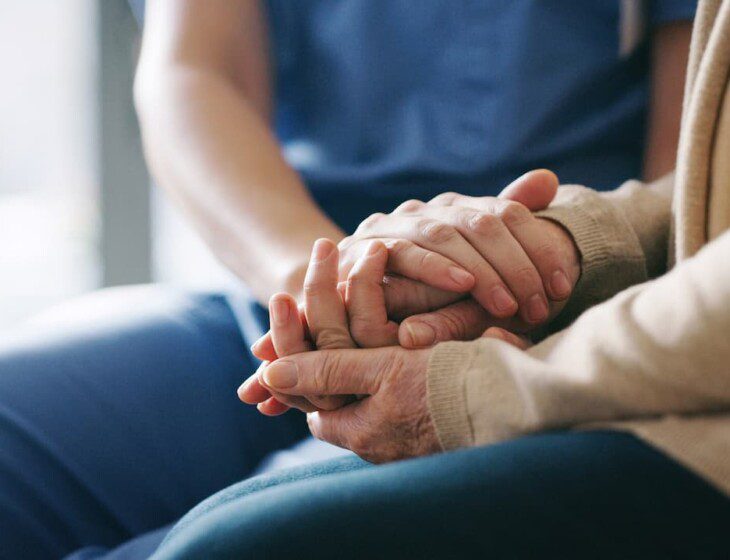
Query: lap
[
  {"x": 591, "y": 494},
  {"x": 120, "y": 413}
]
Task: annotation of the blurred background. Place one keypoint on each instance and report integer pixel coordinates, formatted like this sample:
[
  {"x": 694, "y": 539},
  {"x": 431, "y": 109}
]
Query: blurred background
[{"x": 77, "y": 212}]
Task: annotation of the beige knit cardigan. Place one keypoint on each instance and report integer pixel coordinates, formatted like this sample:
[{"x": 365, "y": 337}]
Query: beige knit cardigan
[{"x": 647, "y": 349}]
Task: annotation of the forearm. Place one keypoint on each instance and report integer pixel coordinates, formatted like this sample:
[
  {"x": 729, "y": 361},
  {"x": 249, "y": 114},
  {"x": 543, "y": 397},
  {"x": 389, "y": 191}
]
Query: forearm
[
  {"x": 214, "y": 153},
  {"x": 660, "y": 348}
]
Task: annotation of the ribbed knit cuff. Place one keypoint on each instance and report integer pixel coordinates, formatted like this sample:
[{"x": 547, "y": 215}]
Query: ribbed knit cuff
[
  {"x": 446, "y": 386},
  {"x": 611, "y": 255}
]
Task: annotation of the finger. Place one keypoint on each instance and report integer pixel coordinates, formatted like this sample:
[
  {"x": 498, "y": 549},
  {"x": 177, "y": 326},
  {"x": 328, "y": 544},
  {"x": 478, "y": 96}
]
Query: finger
[
  {"x": 433, "y": 234},
  {"x": 272, "y": 407},
  {"x": 328, "y": 429},
  {"x": 487, "y": 233},
  {"x": 263, "y": 348},
  {"x": 411, "y": 261},
  {"x": 343, "y": 427},
  {"x": 330, "y": 372},
  {"x": 289, "y": 337},
  {"x": 278, "y": 404},
  {"x": 535, "y": 189},
  {"x": 464, "y": 320},
  {"x": 490, "y": 235},
  {"x": 414, "y": 262},
  {"x": 290, "y": 401},
  {"x": 324, "y": 308},
  {"x": 544, "y": 251},
  {"x": 365, "y": 299},
  {"x": 518, "y": 341},
  {"x": 287, "y": 331},
  {"x": 252, "y": 391},
  {"x": 405, "y": 297}
]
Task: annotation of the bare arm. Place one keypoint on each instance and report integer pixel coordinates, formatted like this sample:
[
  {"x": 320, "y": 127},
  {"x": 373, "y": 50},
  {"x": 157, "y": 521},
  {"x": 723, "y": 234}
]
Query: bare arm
[
  {"x": 669, "y": 64},
  {"x": 203, "y": 93}
]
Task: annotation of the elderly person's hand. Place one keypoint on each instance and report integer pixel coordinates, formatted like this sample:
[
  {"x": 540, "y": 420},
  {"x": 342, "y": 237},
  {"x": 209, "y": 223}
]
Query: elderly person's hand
[{"x": 390, "y": 420}]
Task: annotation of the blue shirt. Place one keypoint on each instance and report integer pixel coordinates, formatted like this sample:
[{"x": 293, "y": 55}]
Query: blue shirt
[{"x": 378, "y": 101}]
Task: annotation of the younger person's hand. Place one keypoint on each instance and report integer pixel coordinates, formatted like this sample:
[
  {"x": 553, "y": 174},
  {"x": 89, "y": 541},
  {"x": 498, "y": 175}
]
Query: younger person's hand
[{"x": 518, "y": 263}]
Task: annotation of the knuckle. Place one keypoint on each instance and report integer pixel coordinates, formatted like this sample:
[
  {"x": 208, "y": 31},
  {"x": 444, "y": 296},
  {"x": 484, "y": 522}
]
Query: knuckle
[
  {"x": 314, "y": 288},
  {"x": 444, "y": 199},
  {"x": 514, "y": 214},
  {"x": 322, "y": 375},
  {"x": 526, "y": 279},
  {"x": 347, "y": 242},
  {"x": 397, "y": 247},
  {"x": 428, "y": 260},
  {"x": 482, "y": 222},
  {"x": 548, "y": 253},
  {"x": 452, "y": 326},
  {"x": 330, "y": 338},
  {"x": 357, "y": 280},
  {"x": 436, "y": 232},
  {"x": 409, "y": 206},
  {"x": 370, "y": 222},
  {"x": 483, "y": 271}
]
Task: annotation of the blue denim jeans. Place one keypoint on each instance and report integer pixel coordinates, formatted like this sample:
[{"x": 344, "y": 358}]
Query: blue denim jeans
[
  {"x": 119, "y": 415},
  {"x": 558, "y": 495}
]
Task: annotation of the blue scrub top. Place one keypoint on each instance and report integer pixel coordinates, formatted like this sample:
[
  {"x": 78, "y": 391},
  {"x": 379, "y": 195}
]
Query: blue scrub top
[{"x": 378, "y": 101}]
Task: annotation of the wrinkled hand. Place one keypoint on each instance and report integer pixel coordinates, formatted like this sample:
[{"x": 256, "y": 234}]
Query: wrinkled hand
[{"x": 390, "y": 420}]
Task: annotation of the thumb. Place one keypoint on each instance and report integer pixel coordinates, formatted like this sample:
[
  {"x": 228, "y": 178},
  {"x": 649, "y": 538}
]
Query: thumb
[
  {"x": 329, "y": 372},
  {"x": 535, "y": 189}
]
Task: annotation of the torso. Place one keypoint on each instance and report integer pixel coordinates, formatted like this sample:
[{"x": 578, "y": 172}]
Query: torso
[{"x": 383, "y": 100}]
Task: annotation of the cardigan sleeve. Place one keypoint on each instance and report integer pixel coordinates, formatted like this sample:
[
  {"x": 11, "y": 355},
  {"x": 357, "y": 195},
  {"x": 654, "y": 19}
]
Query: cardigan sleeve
[
  {"x": 655, "y": 349},
  {"x": 622, "y": 237}
]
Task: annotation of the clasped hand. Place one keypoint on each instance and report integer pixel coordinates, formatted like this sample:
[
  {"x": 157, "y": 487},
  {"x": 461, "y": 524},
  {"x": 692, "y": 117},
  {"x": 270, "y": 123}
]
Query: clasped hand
[{"x": 440, "y": 268}]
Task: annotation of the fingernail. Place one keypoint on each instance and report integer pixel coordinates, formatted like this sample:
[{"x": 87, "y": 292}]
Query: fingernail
[
  {"x": 559, "y": 284},
  {"x": 322, "y": 249},
  {"x": 279, "y": 312},
  {"x": 503, "y": 301},
  {"x": 281, "y": 375},
  {"x": 461, "y": 276},
  {"x": 421, "y": 334},
  {"x": 243, "y": 387},
  {"x": 537, "y": 309},
  {"x": 255, "y": 346}
]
